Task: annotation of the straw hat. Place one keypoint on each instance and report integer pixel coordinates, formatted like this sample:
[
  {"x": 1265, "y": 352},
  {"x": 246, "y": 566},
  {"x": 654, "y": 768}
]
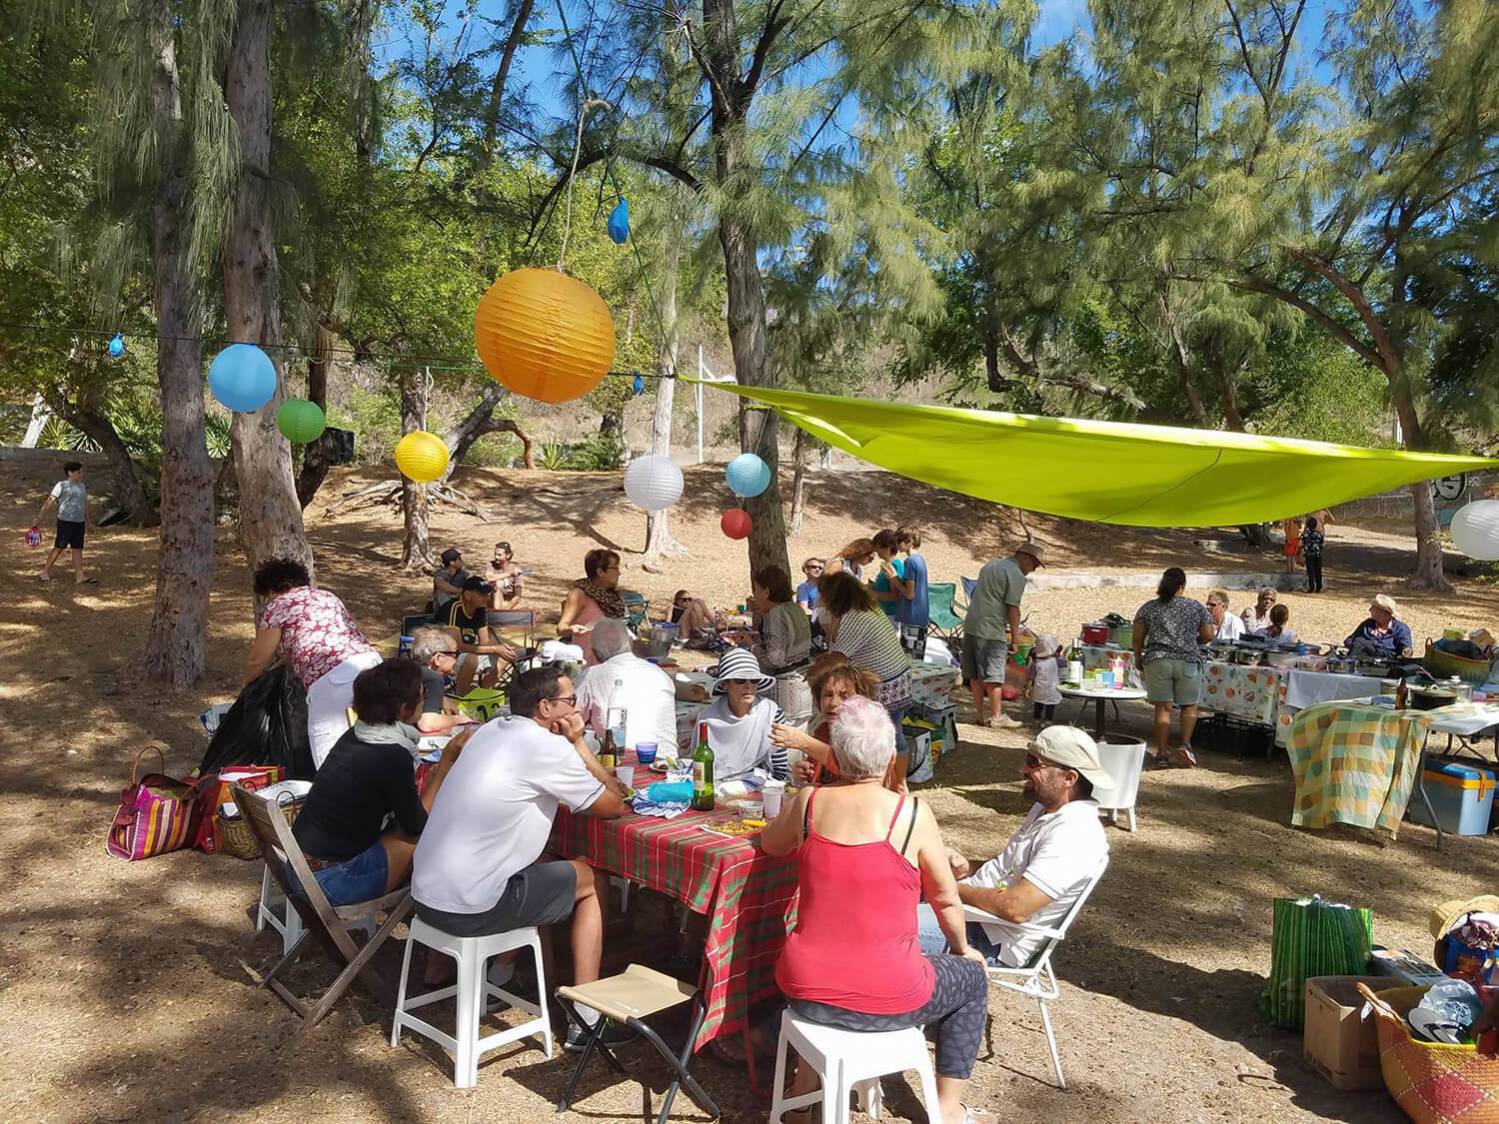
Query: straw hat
[
  {"x": 1387, "y": 603},
  {"x": 1449, "y": 913},
  {"x": 1034, "y": 550}
]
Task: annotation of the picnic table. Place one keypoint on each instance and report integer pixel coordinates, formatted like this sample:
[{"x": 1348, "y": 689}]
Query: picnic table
[{"x": 747, "y": 895}]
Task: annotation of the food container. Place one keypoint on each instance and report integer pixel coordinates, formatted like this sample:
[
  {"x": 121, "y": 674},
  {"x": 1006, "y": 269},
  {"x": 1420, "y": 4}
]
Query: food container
[
  {"x": 1122, "y": 635},
  {"x": 1248, "y": 657},
  {"x": 1095, "y": 633},
  {"x": 1373, "y": 669},
  {"x": 1310, "y": 663},
  {"x": 1429, "y": 698},
  {"x": 1282, "y": 657}
]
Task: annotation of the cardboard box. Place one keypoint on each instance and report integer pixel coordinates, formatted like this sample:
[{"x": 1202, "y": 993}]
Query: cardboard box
[{"x": 1336, "y": 1041}]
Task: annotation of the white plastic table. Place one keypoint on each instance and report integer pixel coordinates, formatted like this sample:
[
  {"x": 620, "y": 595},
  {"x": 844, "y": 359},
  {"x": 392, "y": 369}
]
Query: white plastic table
[{"x": 1100, "y": 696}]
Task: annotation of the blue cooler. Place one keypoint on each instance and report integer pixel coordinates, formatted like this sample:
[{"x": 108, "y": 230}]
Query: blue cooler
[{"x": 1462, "y": 796}]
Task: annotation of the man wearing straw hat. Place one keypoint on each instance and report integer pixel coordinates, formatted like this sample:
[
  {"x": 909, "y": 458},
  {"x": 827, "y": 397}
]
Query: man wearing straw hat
[
  {"x": 1382, "y": 635},
  {"x": 991, "y": 630}
]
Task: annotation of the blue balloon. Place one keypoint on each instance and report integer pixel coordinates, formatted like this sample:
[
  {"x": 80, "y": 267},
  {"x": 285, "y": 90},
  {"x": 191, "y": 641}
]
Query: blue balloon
[
  {"x": 619, "y": 222},
  {"x": 242, "y": 377},
  {"x": 117, "y": 346},
  {"x": 747, "y": 475},
  {"x": 639, "y": 385}
]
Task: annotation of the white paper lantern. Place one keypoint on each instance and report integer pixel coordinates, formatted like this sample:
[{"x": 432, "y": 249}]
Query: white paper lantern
[
  {"x": 1475, "y": 530},
  {"x": 653, "y": 483}
]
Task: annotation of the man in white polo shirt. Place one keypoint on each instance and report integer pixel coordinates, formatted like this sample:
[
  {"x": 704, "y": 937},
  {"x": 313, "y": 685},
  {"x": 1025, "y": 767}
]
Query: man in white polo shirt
[
  {"x": 475, "y": 870},
  {"x": 1047, "y": 862}
]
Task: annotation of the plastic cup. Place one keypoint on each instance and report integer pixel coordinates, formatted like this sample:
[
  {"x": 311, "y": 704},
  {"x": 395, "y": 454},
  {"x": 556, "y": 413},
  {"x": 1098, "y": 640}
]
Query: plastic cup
[
  {"x": 626, "y": 775},
  {"x": 771, "y": 795},
  {"x": 645, "y": 753}
]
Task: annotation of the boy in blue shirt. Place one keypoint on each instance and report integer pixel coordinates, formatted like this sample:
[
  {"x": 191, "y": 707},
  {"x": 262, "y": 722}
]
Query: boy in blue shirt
[{"x": 912, "y": 613}]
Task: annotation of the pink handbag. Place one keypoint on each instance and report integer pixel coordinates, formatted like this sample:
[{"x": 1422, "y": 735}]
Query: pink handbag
[{"x": 157, "y": 814}]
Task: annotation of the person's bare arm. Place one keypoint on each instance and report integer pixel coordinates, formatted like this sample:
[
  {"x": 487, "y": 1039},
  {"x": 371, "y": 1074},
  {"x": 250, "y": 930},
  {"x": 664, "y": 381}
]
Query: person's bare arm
[
  {"x": 430, "y": 723},
  {"x": 570, "y": 610},
  {"x": 1014, "y": 622},
  {"x": 937, "y": 882},
  {"x": 1206, "y": 632},
  {"x": 262, "y": 653},
  {"x": 444, "y": 766},
  {"x": 46, "y": 506},
  {"x": 784, "y": 833},
  {"x": 442, "y": 583},
  {"x": 1142, "y": 630},
  {"x": 1017, "y": 903}
]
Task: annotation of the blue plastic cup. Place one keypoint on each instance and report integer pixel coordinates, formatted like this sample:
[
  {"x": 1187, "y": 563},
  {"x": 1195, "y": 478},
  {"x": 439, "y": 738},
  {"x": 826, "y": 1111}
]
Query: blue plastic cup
[{"x": 645, "y": 752}]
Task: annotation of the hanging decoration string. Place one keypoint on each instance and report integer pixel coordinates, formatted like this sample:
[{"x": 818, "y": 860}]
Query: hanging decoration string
[{"x": 572, "y": 176}]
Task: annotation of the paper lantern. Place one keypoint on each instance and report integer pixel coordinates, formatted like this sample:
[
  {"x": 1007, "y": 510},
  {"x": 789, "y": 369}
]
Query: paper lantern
[
  {"x": 619, "y": 222},
  {"x": 747, "y": 475},
  {"x": 117, "y": 346},
  {"x": 653, "y": 483},
  {"x": 544, "y": 334},
  {"x": 735, "y": 523},
  {"x": 421, "y": 456},
  {"x": 300, "y": 420},
  {"x": 242, "y": 377},
  {"x": 638, "y": 386},
  {"x": 1475, "y": 530}
]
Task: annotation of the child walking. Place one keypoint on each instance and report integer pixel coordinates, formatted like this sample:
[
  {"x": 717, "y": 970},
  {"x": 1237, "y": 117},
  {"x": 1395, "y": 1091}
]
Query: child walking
[
  {"x": 1311, "y": 550},
  {"x": 1045, "y": 679},
  {"x": 71, "y": 498}
]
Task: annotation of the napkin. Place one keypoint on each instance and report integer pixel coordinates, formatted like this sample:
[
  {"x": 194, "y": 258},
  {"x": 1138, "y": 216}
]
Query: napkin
[
  {"x": 666, "y": 810},
  {"x": 669, "y": 792}
]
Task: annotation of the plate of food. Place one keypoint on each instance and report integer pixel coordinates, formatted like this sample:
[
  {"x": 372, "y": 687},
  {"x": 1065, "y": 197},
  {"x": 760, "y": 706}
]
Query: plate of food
[
  {"x": 665, "y": 764},
  {"x": 736, "y": 829}
]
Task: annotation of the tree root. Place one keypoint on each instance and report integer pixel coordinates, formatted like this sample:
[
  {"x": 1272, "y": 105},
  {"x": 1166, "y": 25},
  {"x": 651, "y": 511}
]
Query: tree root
[{"x": 389, "y": 492}]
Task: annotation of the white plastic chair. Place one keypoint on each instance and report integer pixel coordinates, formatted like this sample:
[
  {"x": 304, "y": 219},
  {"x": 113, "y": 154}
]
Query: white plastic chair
[
  {"x": 849, "y": 1061},
  {"x": 472, "y": 992},
  {"x": 1037, "y": 979}
]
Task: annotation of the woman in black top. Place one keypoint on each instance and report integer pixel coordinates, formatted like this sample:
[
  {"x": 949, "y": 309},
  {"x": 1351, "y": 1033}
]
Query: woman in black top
[{"x": 370, "y": 774}]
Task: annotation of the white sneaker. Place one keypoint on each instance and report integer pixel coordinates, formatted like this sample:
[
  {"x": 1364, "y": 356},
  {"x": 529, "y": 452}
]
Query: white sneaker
[{"x": 1005, "y": 722}]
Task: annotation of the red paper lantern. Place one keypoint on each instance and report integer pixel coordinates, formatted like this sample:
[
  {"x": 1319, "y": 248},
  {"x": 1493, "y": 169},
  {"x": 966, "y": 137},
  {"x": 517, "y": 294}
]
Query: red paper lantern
[{"x": 735, "y": 523}]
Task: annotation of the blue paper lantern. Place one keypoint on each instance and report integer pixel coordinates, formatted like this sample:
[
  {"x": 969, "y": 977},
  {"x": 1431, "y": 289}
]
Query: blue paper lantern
[
  {"x": 747, "y": 475},
  {"x": 117, "y": 346},
  {"x": 619, "y": 222},
  {"x": 639, "y": 385},
  {"x": 242, "y": 377}
]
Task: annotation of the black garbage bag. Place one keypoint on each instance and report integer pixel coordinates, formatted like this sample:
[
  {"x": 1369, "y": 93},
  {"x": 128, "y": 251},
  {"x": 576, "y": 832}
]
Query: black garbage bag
[{"x": 267, "y": 725}]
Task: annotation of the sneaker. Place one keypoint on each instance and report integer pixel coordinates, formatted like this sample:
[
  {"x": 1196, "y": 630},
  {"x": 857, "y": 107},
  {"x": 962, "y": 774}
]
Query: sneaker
[
  {"x": 614, "y": 1035},
  {"x": 1005, "y": 722}
]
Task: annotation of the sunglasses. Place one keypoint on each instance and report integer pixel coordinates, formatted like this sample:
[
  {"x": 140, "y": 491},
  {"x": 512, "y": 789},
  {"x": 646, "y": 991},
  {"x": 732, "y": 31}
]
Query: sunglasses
[
  {"x": 1034, "y": 762},
  {"x": 740, "y": 682}
]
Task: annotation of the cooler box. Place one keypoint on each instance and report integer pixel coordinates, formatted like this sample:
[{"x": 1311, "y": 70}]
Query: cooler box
[
  {"x": 1337, "y": 1041},
  {"x": 1462, "y": 796}
]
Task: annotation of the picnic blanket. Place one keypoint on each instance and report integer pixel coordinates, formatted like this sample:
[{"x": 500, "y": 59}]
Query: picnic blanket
[
  {"x": 1355, "y": 763},
  {"x": 748, "y": 896}
]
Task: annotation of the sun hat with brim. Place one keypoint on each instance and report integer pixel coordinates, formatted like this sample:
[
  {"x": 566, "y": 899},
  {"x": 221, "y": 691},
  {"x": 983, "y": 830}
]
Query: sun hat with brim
[
  {"x": 1034, "y": 550},
  {"x": 1387, "y": 603},
  {"x": 739, "y": 663},
  {"x": 1071, "y": 748},
  {"x": 1447, "y": 914}
]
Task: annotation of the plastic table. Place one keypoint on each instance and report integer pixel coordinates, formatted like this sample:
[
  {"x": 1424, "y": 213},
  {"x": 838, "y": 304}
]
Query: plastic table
[{"x": 1100, "y": 696}]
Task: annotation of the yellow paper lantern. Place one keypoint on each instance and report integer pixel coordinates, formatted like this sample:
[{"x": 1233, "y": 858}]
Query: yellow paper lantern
[
  {"x": 544, "y": 334},
  {"x": 421, "y": 456}
]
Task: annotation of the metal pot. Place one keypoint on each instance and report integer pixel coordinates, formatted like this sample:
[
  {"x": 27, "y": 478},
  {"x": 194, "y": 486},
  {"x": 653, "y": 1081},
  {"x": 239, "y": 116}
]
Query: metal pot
[
  {"x": 1248, "y": 657},
  {"x": 1343, "y": 665},
  {"x": 1374, "y": 669},
  {"x": 1429, "y": 698}
]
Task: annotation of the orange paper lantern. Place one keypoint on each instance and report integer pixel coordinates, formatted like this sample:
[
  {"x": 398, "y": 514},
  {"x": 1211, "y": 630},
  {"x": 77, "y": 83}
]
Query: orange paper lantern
[{"x": 544, "y": 334}]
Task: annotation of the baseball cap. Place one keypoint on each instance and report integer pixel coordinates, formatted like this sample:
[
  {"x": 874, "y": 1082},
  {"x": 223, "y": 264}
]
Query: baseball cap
[
  {"x": 451, "y": 555},
  {"x": 1073, "y": 749},
  {"x": 1034, "y": 550},
  {"x": 477, "y": 585}
]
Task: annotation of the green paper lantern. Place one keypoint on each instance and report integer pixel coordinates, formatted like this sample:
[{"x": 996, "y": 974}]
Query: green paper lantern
[{"x": 300, "y": 421}]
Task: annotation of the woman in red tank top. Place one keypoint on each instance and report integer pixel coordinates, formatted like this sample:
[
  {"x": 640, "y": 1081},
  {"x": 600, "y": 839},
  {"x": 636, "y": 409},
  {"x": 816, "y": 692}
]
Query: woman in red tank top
[{"x": 867, "y": 855}]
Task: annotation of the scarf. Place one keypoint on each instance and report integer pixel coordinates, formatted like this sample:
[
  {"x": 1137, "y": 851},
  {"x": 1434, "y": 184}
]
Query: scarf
[
  {"x": 608, "y": 600},
  {"x": 388, "y": 733},
  {"x": 739, "y": 744}
]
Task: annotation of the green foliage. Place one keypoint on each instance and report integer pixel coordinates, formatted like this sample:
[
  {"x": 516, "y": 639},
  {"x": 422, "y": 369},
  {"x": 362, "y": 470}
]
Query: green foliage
[{"x": 554, "y": 456}]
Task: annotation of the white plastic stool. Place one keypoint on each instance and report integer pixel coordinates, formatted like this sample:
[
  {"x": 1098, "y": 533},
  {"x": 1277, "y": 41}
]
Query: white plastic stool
[
  {"x": 473, "y": 991},
  {"x": 849, "y": 1061},
  {"x": 1124, "y": 759},
  {"x": 274, "y": 910}
]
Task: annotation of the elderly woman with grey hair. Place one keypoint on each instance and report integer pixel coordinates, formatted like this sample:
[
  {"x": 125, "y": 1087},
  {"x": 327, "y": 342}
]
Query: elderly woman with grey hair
[
  {"x": 866, "y": 856},
  {"x": 623, "y": 680},
  {"x": 433, "y": 650}
]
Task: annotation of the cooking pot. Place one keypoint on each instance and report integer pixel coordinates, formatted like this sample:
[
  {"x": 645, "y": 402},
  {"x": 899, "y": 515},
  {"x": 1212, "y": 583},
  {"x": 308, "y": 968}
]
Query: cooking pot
[
  {"x": 1374, "y": 669},
  {"x": 1429, "y": 698},
  {"x": 1343, "y": 665},
  {"x": 1095, "y": 633},
  {"x": 1282, "y": 657},
  {"x": 1311, "y": 663},
  {"x": 1246, "y": 656}
]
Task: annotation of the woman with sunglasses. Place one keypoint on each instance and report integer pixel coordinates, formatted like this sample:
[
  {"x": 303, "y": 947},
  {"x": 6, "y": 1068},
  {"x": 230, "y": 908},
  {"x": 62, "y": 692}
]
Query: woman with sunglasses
[
  {"x": 739, "y": 720},
  {"x": 592, "y": 597}
]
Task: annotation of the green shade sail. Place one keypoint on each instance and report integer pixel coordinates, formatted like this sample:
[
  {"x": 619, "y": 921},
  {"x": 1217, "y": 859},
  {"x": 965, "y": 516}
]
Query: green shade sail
[{"x": 1105, "y": 472}]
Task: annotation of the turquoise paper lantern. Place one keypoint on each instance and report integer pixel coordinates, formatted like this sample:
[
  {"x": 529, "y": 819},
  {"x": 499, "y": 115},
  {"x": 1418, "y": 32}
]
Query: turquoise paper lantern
[
  {"x": 747, "y": 475},
  {"x": 242, "y": 377}
]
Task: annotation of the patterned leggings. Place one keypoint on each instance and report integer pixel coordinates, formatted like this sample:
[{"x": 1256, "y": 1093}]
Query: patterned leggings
[{"x": 959, "y": 1003}]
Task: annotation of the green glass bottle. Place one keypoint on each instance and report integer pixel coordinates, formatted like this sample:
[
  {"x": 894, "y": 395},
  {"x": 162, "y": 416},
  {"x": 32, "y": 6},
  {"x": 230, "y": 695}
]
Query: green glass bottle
[{"x": 702, "y": 772}]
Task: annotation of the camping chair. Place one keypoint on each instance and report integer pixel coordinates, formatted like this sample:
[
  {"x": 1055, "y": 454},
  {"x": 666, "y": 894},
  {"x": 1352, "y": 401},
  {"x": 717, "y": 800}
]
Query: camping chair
[
  {"x": 941, "y": 618},
  {"x": 1036, "y": 979},
  {"x": 328, "y": 923},
  {"x": 636, "y": 608},
  {"x": 513, "y": 621},
  {"x": 412, "y": 623},
  {"x": 969, "y": 585}
]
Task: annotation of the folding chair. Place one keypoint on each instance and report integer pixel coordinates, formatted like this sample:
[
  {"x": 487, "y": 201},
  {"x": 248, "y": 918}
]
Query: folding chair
[
  {"x": 1036, "y": 979},
  {"x": 513, "y": 620},
  {"x": 636, "y": 608},
  {"x": 635, "y": 994},
  {"x": 412, "y": 623},
  {"x": 969, "y": 585},
  {"x": 942, "y": 619},
  {"x": 327, "y": 923}
]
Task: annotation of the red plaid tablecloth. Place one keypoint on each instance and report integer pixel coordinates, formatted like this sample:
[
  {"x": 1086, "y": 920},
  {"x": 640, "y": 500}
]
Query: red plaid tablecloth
[{"x": 747, "y": 895}]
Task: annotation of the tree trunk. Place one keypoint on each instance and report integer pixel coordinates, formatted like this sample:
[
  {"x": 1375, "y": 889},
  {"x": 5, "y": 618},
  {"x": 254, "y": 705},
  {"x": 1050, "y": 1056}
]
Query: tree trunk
[
  {"x": 612, "y": 424},
  {"x": 270, "y": 518},
  {"x": 184, "y": 566},
  {"x": 1428, "y": 573},
  {"x": 317, "y": 457},
  {"x": 993, "y": 378},
  {"x": 129, "y": 491},
  {"x": 416, "y": 553},
  {"x": 481, "y": 420},
  {"x": 658, "y": 538},
  {"x": 40, "y": 415},
  {"x": 501, "y": 75},
  {"x": 798, "y": 480}
]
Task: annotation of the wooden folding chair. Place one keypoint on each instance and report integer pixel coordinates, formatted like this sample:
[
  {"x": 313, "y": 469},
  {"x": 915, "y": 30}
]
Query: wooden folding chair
[{"x": 327, "y": 923}]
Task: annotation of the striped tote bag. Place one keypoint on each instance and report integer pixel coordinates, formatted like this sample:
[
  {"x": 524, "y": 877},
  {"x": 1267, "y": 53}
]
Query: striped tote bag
[{"x": 157, "y": 813}]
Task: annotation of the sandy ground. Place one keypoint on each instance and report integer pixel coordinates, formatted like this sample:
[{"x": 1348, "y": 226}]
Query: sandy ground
[{"x": 127, "y": 991}]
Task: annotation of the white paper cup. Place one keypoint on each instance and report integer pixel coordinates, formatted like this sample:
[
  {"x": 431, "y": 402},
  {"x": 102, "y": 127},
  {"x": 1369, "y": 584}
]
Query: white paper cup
[
  {"x": 626, "y": 775},
  {"x": 771, "y": 795}
]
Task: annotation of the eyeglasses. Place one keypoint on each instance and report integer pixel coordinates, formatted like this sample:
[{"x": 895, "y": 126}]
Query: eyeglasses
[
  {"x": 571, "y": 700},
  {"x": 451, "y": 652},
  {"x": 813, "y": 569}
]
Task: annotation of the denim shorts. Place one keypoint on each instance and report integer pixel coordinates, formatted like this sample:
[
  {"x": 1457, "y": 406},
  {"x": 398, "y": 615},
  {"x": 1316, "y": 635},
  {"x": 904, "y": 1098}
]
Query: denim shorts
[
  {"x": 360, "y": 879},
  {"x": 984, "y": 659},
  {"x": 1173, "y": 681}
]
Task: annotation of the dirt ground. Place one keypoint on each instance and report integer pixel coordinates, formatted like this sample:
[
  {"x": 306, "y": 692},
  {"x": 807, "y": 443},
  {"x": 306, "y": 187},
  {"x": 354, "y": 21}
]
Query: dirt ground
[{"x": 127, "y": 988}]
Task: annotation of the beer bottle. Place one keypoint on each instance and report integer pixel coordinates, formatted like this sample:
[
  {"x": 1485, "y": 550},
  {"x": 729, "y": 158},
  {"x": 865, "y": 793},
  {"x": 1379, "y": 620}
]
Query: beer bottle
[
  {"x": 608, "y": 752},
  {"x": 702, "y": 772}
]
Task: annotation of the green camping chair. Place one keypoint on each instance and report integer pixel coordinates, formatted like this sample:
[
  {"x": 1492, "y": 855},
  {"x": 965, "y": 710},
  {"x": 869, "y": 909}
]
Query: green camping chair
[
  {"x": 942, "y": 618},
  {"x": 636, "y": 607}
]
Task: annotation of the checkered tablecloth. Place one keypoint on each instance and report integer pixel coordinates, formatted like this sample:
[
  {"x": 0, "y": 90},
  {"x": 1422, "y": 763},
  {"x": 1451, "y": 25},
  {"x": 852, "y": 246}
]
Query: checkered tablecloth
[
  {"x": 749, "y": 896},
  {"x": 1355, "y": 764}
]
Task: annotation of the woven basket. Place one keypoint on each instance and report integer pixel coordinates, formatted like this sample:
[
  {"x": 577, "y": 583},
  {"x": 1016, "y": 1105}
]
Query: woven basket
[
  {"x": 1432, "y": 1082},
  {"x": 238, "y": 841},
  {"x": 1444, "y": 665}
]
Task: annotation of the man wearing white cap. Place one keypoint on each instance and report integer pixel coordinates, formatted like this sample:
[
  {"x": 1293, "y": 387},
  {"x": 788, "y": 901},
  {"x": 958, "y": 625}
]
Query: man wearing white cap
[
  {"x": 991, "y": 630},
  {"x": 1046, "y": 864}
]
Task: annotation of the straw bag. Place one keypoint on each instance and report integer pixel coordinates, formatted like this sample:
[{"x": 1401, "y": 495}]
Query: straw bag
[
  {"x": 234, "y": 836},
  {"x": 1444, "y": 665},
  {"x": 1433, "y": 1082},
  {"x": 157, "y": 813}
]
